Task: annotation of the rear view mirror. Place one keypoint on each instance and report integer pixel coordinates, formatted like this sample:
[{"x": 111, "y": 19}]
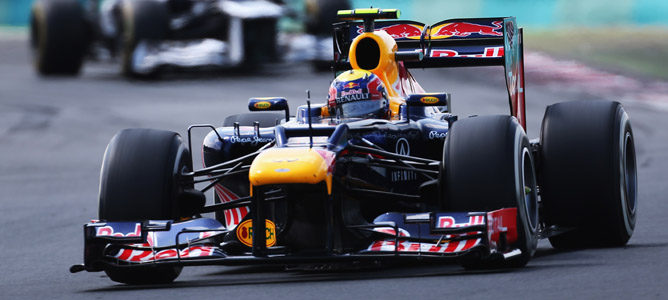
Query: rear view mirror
[
  {"x": 269, "y": 104},
  {"x": 430, "y": 99}
]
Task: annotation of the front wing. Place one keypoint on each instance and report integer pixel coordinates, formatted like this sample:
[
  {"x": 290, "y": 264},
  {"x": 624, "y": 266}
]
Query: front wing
[{"x": 396, "y": 236}]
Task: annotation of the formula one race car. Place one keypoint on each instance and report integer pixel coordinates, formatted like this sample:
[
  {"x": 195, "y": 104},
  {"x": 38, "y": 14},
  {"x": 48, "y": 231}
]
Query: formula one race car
[
  {"x": 149, "y": 34},
  {"x": 381, "y": 172}
]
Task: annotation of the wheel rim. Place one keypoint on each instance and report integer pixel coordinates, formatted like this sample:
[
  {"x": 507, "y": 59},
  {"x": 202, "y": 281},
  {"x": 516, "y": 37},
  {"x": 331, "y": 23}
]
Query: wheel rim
[
  {"x": 630, "y": 173},
  {"x": 529, "y": 192}
]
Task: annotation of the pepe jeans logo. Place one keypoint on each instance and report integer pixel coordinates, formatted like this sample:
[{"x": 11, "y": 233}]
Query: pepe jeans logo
[
  {"x": 437, "y": 135},
  {"x": 253, "y": 140}
]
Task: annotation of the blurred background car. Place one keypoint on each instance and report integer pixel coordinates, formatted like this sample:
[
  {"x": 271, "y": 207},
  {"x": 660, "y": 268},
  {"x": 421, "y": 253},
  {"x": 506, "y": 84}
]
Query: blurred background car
[{"x": 146, "y": 35}]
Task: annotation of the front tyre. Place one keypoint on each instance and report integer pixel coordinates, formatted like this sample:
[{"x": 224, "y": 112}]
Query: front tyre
[
  {"x": 589, "y": 173},
  {"x": 139, "y": 180},
  {"x": 487, "y": 165}
]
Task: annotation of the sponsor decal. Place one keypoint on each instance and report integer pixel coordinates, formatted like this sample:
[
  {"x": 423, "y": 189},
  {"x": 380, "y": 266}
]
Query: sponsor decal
[
  {"x": 245, "y": 233},
  {"x": 407, "y": 246},
  {"x": 449, "y": 222},
  {"x": 253, "y": 140},
  {"x": 465, "y": 29},
  {"x": 396, "y": 176},
  {"x": 487, "y": 52},
  {"x": 350, "y": 97},
  {"x": 434, "y": 135},
  {"x": 399, "y": 31},
  {"x": 403, "y": 147},
  {"x": 136, "y": 255},
  {"x": 429, "y": 100},
  {"x": 262, "y": 105},
  {"x": 109, "y": 231},
  {"x": 351, "y": 85}
]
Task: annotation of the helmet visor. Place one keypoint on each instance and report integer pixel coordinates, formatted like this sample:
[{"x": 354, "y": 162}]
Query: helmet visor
[{"x": 361, "y": 109}]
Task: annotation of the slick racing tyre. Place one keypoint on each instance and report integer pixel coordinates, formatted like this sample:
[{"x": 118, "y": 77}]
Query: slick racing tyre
[
  {"x": 58, "y": 36},
  {"x": 266, "y": 119},
  {"x": 143, "y": 21},
  {"x": 487, "y": 165},
  {"x": 588, "y": 173},
  {"x": 139, "y": 181}
]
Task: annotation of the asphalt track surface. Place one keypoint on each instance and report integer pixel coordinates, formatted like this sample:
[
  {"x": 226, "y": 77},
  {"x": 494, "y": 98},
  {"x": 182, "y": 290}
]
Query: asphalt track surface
[{"x": 53, "y": 132}]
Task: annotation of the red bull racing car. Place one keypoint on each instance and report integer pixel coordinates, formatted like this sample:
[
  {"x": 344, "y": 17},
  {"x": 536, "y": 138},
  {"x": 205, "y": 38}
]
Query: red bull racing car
[{"x": 383, "y": 171}]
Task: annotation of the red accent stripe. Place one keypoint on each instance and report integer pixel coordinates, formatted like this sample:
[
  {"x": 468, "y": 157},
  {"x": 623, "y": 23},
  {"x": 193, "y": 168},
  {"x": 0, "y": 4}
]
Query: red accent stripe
[
  {"x": 469, "y": 244},
  {"x": 452, "y": 246},
  {"x": 144, "y": 253},
  {"x": 125, "y": 254}
]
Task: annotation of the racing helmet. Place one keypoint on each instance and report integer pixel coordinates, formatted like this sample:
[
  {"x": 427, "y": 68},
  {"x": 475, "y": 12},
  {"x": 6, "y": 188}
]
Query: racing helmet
[{"x": 358, "y": 94}]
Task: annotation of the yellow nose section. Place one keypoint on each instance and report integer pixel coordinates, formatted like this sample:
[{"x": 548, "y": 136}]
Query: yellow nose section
[{"x": 290, "y": 165}]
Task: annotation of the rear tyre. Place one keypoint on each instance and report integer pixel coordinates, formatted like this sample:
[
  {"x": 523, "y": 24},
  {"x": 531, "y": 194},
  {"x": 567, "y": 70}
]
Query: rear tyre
[
  {"x": 139, "y": 181},
  {"x": 58, "y": 36},
  {"x": 266, "y": 119},
  {"x": 487, "y": 165},
  {"x": 588, "y": 173},
  {"x": 143, "y": 20}
]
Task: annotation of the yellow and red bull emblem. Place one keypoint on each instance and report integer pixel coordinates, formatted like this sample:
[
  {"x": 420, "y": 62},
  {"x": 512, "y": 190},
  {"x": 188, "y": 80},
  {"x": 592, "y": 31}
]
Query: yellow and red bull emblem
[
  {"x": 351, "y": 85},
  {"x": 429, "y": 100},
  {"x": 245, "y": 233},
  {"x": 262, "y": 105},
  {"x": 465, "y": 29}
]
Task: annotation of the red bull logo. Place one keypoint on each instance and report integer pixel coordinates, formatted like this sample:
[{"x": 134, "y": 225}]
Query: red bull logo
[
  {"x": 465, "y": 29},
  {"x": 399, "y": 31},
  {"x": 351, "y": 85}
]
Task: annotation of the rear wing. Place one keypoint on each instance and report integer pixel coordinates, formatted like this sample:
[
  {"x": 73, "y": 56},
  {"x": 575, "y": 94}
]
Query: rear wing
[{"x": 451, "y": 43}]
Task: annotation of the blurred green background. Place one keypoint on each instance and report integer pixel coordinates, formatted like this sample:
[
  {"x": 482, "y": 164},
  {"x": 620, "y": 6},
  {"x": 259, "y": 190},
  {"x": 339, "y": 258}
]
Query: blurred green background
[{"x": 618, "y": 35}]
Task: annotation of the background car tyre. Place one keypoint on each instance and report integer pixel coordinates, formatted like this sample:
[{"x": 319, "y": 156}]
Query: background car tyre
[
  {"x": 139, "y": 181},
  {"x": 588, "y": 173},
  {"x": 143, "y": 20},
  {"x": 488, "y": 165},
  {"x": 58, "y": 36},
  {"x": 320, "y": 14}
]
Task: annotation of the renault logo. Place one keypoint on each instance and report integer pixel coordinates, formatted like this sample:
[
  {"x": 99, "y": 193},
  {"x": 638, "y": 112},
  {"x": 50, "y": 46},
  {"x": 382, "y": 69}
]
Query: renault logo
[{"x": 402, "y": 147}]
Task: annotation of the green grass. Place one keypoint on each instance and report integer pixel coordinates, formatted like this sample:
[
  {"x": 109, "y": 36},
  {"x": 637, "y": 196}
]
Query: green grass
[{"x": 641, "y": 51}]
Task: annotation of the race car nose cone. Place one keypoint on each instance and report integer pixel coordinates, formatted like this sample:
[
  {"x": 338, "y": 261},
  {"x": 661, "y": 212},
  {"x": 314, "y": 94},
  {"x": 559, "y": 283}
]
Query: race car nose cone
[{"x": 288, "y": 165}]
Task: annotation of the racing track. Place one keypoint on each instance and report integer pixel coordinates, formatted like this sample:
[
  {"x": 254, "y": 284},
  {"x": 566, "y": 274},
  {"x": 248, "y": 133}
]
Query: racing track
[{"x": 53, "y": 133}]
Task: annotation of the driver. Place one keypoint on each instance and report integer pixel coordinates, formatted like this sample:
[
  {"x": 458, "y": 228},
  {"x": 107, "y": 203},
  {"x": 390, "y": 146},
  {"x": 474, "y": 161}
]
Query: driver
[{"x": 358, "y": 94}]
